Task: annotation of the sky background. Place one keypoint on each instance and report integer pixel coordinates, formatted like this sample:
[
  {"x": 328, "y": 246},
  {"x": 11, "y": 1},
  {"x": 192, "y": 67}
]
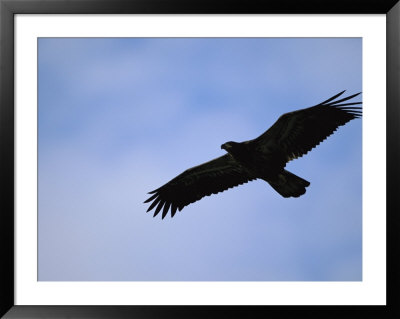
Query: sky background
[{"x": 118, "y": 118}]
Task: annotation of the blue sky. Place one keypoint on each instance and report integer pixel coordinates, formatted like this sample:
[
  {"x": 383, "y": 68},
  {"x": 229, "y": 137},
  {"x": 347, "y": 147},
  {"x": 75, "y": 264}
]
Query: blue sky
[{"x": 120, "y": 117}]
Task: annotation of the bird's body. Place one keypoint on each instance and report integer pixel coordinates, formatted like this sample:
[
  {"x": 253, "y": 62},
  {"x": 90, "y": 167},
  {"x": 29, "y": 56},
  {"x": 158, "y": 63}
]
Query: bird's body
[
  {"x": 261, "y": 162},
  {"x": 293, "y": 135}
]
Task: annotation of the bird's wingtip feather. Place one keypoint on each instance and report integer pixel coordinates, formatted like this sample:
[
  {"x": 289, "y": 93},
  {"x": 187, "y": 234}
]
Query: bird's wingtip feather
[
  {"x": 332, "y": 98},
  {"x": 334, "y": 103},
  {"x": 150, "y": 198}
]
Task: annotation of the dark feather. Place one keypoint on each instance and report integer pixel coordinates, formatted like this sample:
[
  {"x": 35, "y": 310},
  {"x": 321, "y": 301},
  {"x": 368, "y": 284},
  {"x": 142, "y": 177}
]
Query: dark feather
[
  {"x": 300, "y": 131},
  {"x": 195, "y": 183},
  {"x": 342, "y": 100},
  {"x": 333, "y": 97}
]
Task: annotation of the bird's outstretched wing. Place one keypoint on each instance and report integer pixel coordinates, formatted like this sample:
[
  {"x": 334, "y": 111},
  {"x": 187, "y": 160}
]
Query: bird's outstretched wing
[
  {"x": 300, "y": 131},
  {"x": 193, "y": 184}
]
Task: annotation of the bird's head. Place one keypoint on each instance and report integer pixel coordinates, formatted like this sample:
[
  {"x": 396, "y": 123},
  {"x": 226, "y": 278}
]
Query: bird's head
[{"x": 229, "y": 146}]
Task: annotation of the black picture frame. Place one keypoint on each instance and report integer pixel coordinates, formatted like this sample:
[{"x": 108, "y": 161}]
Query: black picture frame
[{"x": 8, "y": 10}]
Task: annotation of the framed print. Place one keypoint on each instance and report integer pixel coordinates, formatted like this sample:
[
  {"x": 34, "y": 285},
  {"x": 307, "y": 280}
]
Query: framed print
[{"x": 256, "y": 135}]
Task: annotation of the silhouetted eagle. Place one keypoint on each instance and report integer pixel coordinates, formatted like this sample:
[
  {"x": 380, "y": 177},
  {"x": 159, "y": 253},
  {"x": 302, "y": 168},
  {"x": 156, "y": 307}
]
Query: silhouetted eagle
[{"x": 293, "y": 135}]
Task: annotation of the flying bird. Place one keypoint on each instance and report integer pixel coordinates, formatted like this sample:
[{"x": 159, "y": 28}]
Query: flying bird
[{"x": 293, "y": 135}]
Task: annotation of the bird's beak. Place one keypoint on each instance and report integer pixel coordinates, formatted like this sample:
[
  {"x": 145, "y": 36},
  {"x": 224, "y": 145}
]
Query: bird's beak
[{"x": 225, "y": 147}]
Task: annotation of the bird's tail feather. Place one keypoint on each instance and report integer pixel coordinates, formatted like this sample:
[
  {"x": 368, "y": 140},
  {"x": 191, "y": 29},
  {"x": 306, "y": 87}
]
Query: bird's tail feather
[{"x": 289, "y": 185}]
